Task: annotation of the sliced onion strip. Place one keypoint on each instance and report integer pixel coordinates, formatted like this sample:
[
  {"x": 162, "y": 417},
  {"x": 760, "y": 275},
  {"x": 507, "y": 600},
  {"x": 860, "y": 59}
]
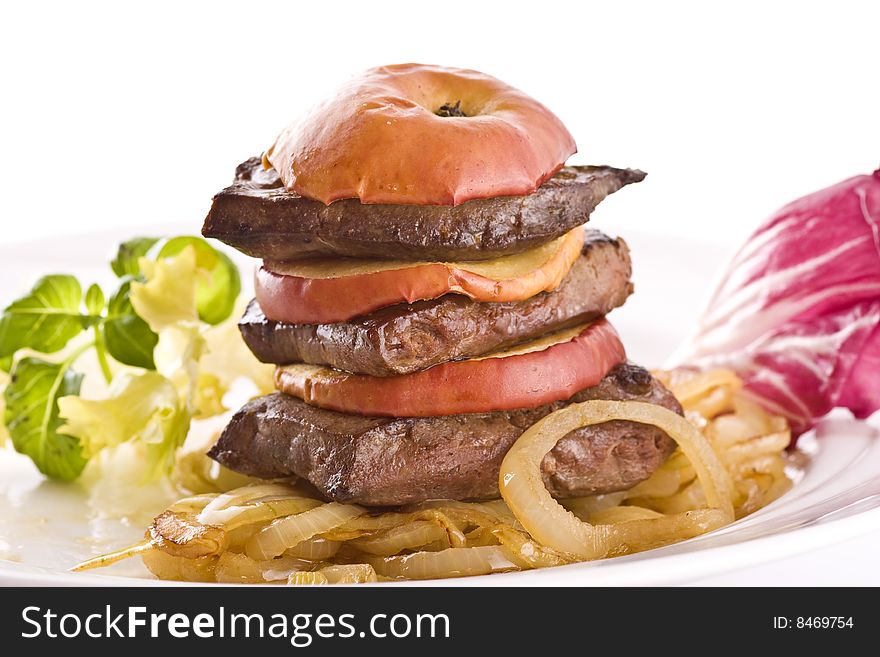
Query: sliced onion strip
[
  {"x": 113, "y": 557},
  {"x": 405, "y": 537},
  {"x": 233, "y": 567},
  {"x": 193, "y": 504},
  {"x": 661, "y": 483},
  {"x": 213, "y": 512},
  {"x": 307, "y": 578},
  {"x": 687, "y": 386},
  {"x": 452, "y": 562},
  {"x": 365, "y": 524},
  {"x": 552, "y": 525},
  {"x": 285, "y": 533},
  {"x": 620, "y": 514},
  {"x": 182, "y": 535},
  {"x": 525, "y": 552},
  {"x": 238, "y": 516},
  {"x": 314, "y": 549},
  {"x": 583, "y": 507},
  {"x": 354, "y": 573}
]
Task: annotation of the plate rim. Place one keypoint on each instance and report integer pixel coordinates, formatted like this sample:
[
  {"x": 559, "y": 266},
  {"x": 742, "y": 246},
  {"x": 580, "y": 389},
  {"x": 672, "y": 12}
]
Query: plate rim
[
  {"x": 659, "y": 569},
  {"x": 745, "y": 553}
]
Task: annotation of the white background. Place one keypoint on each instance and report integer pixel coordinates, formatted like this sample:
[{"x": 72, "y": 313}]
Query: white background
[{"x": 114, "y": 116}]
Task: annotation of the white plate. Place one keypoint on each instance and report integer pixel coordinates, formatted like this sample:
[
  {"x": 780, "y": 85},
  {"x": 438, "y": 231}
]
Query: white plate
[{"x": 45, "y": 527}]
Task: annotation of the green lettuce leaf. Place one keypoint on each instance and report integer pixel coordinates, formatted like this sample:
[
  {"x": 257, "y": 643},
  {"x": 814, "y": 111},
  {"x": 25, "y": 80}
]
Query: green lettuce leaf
[
  {"x": 94, "y": 300},
  {"x": 177, "y": 355},
  {"x": 128, "y": 337},
  {"x": 129, "y": 253},
  {"x": 144, "y": 407},
  {"x": 46, "y": 318},
  {"x": 169, "y": 291},
  {"x": 169, "y": 294},
  {"x": 219, "y": 284},
  {"x": 4, "y": 432},
  {"x": 31, "y": 416}
]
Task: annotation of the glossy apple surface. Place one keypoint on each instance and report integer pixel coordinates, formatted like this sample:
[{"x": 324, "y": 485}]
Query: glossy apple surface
[
  {"x": 551, "y": 369},
  {"x": 382, "y": 139}
]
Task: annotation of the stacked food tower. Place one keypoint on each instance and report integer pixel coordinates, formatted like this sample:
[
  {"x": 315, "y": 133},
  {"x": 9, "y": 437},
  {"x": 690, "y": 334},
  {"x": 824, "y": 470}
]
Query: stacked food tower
[{"x": 428, "y": 292}]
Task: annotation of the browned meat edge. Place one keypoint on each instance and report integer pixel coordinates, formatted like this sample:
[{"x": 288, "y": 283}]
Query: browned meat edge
[
  {"x": 389, "y": 462},
  {"x": 258, "y": 216},
  {"x": 410, "y": 337}
]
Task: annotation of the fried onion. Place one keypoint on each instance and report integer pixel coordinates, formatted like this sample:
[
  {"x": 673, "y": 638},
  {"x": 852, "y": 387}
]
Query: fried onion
[{"x": 730, "y": 462}]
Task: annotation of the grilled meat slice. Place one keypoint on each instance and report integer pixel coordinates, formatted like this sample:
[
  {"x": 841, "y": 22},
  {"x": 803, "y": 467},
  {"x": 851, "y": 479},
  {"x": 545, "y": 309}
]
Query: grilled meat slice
[
  {"x": 390, "y": 462},
  {"x": 258, "y": 216},
  {"x": 406, "y": 338}
]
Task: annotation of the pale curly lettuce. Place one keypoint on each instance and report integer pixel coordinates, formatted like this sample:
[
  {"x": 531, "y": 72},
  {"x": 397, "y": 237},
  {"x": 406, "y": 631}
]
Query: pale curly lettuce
[
  {"x": 228, "y": 359},
  {"x": 4, "y": 432},
  {"x": 168, "y": 297},
  {"x": 153, "y": 408},
  {"x": 154, "y": 330},
  {"x": 142, "y": 407}
]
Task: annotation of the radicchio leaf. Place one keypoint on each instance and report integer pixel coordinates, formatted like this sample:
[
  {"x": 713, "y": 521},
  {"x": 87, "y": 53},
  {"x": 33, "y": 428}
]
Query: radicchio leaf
[{"x": 797, "y": 312}]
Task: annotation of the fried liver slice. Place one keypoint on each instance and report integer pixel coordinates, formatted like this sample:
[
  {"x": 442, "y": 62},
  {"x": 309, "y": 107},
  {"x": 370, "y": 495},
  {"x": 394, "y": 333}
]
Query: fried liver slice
[
  {"x": 406, "y": 338},
  {"x": 258, "y": 216},
  {"x": 395, "y": 461}
]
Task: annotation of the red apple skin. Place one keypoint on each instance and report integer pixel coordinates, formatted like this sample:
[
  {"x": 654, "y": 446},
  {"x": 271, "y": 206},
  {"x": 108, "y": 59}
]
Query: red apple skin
[
  {"x": 471, "y": 386},
  {"x": 327, "y": 300},
  {"x": 380, "y": 140},
  {"x": 299, "y": 300}
]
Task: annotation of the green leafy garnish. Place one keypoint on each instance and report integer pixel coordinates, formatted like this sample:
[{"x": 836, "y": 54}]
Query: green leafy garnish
[
  {"x": 217, "y": 290},
  {"x": 128, "y": 337},
  {"x": 145, "y": 407},
  {"x": 127, "y": 255},
  {"x": 4, "y": 432},
  {"x": 46, "y": 318},
  {"x": 31, "y": 416},
  {"x": 168, "y": 290},
  {"x": 168, "y": 295},
  {"x": 94, "y": 300}
]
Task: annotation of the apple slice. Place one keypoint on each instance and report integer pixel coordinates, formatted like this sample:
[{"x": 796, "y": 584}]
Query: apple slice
[
  {"x": 327, "y": 290},
  {"x": 419, "y": 134},
  {"x": 550, "y": 369}
]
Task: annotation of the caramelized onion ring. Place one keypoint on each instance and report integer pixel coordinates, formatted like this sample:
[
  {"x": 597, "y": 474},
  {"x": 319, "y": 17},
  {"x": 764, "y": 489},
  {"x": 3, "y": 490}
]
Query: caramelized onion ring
[{"x": 552, "y": 525}]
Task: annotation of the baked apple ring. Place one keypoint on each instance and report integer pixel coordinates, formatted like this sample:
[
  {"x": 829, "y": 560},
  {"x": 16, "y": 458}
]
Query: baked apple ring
[{"x": 423, "y": 135}]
